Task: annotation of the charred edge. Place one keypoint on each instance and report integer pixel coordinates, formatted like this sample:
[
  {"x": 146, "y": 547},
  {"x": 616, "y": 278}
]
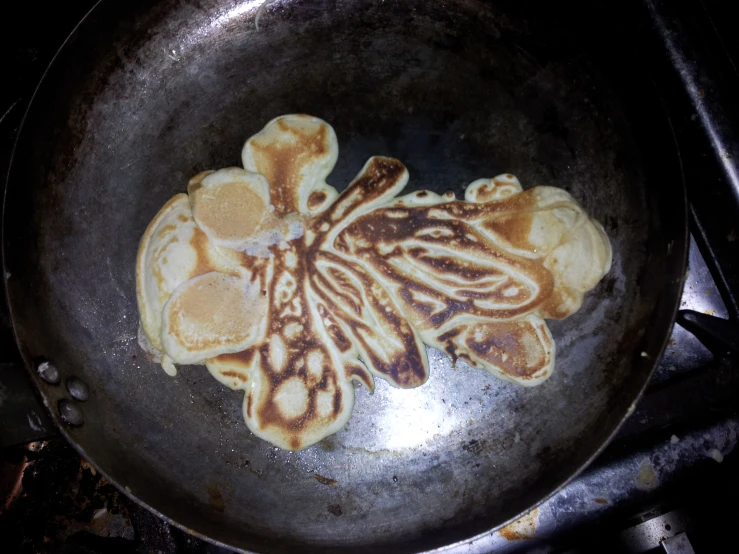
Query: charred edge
[
  {"x": 235, "y": 375},
  {"x": 353, "y": 370},
  {"x": 341, "y": 341},
  {"x": 447, "y": 264},
  {"x": 316, "y": 199},
  {"x": 380, "y": 175}
]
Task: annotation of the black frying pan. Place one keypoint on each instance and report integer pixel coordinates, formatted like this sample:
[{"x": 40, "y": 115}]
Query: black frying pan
[{"x": 143, "y": 96}]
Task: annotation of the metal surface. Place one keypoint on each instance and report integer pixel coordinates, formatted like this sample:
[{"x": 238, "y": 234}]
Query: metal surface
[
  {"x": 679, "y": 544},
  {"x": 650, "y": 534},
  {"x": 701, "y": 83},
  {"x": 684, "y": 352},
  {"x": 145, "y": 96},
  {"x": 575, "y": 515},
  {"x": 721, "y": 334}
]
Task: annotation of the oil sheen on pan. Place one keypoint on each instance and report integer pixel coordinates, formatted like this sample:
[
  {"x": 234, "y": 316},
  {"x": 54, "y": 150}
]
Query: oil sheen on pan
[{"x": 289, "y": 291}]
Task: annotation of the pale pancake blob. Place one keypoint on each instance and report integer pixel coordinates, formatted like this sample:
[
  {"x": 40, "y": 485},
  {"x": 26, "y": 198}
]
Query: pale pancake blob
[
  {"x": 498, "y": 188},
  {"x": 354, "y": 286},
  {"x": 232, "y": 207},
  {"x": 173, "y": 250},
  {"x": 295, "y": 153},
  {"x": 212, "y": 314},
  {"x": 229, "y": 205}
]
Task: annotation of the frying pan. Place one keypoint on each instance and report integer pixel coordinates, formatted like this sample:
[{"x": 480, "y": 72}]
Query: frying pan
[{"x": 144, "y": 95}]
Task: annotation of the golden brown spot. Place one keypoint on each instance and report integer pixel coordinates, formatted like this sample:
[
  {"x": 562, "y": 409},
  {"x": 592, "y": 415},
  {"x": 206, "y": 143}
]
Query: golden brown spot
[
  {"x": 339, "y": 338},
  {"x": 197, "y": 180},
  {"x": 386, "y": 169},
  {"x": 156, "y": 272},
  {"x": 514, "y": 228},
  {"x": 555, "y": 306},
  {"x": 380, "y": 175},
  {"x": 486, "y": 193},
  {"x": 514, "y": 347},
  {"x": 230, "y": 211},
  {"x": 337, "y": 402},
  {"x": 211, "y": 311},
  {"x": 245, "y": 358},
  {"x": 199, "y": 243}
]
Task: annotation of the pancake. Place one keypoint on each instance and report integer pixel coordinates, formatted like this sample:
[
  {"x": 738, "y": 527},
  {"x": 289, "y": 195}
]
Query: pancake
[
  {"x": 477, "y": 278},
  {"x": 295, "y": 153},
  {"x": 229, "y": 205},
  {"x": 299, "y": 291},
  {"x": 232, "y": 207},
  {"x": 172, "y": 251},
  {"x": 212, "y": 314}
]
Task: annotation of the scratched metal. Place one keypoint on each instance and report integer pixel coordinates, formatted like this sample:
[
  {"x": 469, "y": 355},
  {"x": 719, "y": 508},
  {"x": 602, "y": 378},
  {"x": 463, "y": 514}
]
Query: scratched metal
[
  {"x": 706, "y": 75},
  {"x": 684, "y": 351},
  {"x": 145, "y": 95},
  {"x": 613, "y": 488}
]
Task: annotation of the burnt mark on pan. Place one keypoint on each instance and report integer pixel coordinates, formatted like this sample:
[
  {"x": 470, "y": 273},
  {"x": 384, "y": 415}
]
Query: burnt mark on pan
[
  {"x": 325, "y": 480},
  {"x": 215, "y": 497}
]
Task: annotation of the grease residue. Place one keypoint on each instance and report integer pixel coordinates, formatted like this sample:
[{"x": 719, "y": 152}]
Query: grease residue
[
  {"x": 647, "y": 479},
  {"x": 523, "y": 528}
]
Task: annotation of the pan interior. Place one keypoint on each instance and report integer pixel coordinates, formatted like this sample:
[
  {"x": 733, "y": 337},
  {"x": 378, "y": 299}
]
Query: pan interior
[{"x": 141, "y": 99}]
